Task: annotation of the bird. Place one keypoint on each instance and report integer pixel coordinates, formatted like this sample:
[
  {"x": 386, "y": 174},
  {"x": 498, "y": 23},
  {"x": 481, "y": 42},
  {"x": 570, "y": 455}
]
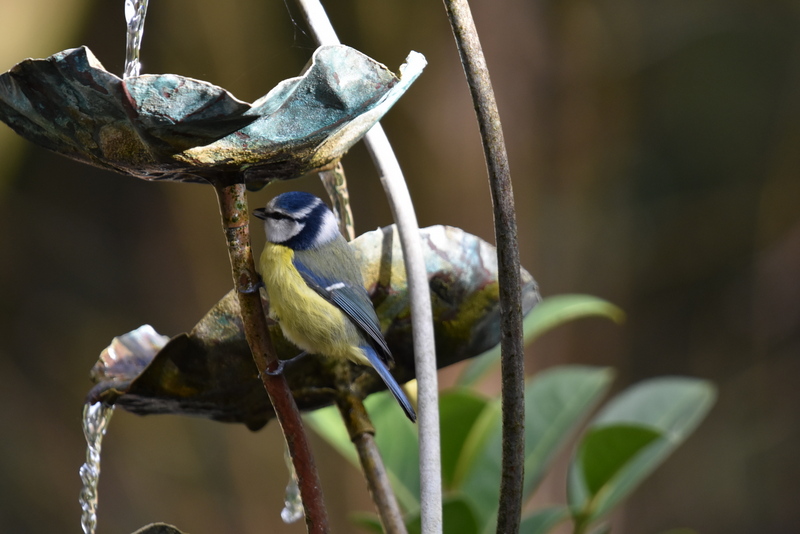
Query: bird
[{"x": 315, "y": 288}]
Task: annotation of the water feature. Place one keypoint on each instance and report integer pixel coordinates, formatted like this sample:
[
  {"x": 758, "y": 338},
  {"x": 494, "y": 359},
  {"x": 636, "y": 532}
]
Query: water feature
[
  {"x": 95, "y": 422},
  {"x": 97, "y": 416},
  {"x": 135, "y": 12}
]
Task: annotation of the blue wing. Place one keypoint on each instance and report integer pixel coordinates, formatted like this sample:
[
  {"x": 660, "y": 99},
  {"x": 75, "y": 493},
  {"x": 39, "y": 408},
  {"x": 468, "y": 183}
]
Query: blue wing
[{"x": 349, "y": 296}]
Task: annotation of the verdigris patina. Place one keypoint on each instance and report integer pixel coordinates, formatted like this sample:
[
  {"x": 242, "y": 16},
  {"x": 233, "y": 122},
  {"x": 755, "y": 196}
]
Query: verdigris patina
[{"x": 169, "y": 127}]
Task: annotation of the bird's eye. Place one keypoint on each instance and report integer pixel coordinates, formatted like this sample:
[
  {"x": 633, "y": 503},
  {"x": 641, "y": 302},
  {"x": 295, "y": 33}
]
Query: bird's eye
[{"x": 278, "y": 216}]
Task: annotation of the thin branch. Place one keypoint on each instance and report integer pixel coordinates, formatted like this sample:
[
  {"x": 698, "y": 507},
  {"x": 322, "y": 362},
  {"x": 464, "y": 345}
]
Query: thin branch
[
  {"x": 362, "y": 434},
  {"x": 512, "y": 359},
  {"x": 354, "y": 415},
  {"x": 422, "y": 321},
  {"x": 233, "y": 209},
  {"x": 335, "y": 182}
]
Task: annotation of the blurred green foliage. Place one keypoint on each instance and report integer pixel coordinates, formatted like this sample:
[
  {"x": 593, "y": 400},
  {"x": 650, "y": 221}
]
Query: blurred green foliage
[{"x": 624, "y": 443}]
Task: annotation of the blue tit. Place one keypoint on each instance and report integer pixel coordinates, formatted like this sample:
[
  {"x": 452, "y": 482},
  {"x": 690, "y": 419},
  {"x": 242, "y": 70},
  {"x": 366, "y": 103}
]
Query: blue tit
[{"x": 316, "y": 292}]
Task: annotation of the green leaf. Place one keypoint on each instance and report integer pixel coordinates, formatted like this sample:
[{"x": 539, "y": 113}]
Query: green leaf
[
  {"x": 544, "y": 520},
  {"x": 458, "y": 517},
  {"x": 556, "y": 400},
  {"x": 606, "y": 449},
  {"x": 548, "y": 314},
  {"x": 562, "y": 398},
  {"x": 458, "y": 409},
  {"x": 630, "y": 437},
  {"x": 559, "y": 309}
]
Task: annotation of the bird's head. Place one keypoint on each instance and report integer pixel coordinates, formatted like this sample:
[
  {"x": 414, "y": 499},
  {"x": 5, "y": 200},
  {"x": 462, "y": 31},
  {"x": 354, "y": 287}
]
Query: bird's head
[{"x": 298, "y": 220}]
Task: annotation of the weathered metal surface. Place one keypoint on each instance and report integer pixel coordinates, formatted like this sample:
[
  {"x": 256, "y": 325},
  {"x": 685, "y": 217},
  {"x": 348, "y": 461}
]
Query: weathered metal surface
[
  {"x": 169, "y": 127},
  {"x": 210, "y": 372}
]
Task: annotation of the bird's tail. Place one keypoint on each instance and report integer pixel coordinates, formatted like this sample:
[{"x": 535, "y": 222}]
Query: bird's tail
[{"x": 391, "y": 383}]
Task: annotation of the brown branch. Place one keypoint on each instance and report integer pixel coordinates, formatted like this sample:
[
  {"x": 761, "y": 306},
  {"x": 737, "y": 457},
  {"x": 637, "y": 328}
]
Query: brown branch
[
  {"x": 512, "y": 359},
  {"x": 233, "y": 209},
  {"x": 335, "y": 182},
  {"x": 362, "y": 434}
]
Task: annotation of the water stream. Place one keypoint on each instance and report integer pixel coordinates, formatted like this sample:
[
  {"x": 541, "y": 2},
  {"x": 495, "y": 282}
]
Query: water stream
[
  {"x": 97, "y": 416},
  {"x": 135, "y": 12},
  {"x": 95, "y": 422}
]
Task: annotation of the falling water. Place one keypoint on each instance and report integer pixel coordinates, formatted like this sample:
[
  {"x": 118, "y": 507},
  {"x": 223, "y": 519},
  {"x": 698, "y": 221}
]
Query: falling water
[
  {"x": 135, "y": 11},
  {"x": 292, "y": 503},
  {"x": 95, "y": 422}
]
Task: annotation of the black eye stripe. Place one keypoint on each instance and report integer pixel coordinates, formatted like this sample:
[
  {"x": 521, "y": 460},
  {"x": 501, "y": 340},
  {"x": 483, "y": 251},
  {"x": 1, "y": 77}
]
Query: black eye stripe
[{"x": 279, "y": 216}]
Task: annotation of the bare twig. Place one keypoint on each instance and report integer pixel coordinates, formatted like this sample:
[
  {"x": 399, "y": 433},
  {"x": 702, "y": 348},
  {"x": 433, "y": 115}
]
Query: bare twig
[
  {"x": 422, "y": 323},
  {"x": 512, "y": 360},
  {"x": 362, "y": 434},
  {"x": 335, "y": 182},
  {"x": 233, "y": 209},
  {"x": 354, "y": 415}
]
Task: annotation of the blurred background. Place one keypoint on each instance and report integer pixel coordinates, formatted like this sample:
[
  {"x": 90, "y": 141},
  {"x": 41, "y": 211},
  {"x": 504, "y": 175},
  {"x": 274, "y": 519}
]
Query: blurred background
[{"x": 654, "y": 152}]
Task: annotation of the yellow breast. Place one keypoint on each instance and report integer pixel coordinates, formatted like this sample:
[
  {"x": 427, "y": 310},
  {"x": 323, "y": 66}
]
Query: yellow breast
[{"x": 306, "y": 319}]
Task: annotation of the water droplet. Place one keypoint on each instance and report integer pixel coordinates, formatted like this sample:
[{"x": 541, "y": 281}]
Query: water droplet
[{"x": 292, "y": 503}]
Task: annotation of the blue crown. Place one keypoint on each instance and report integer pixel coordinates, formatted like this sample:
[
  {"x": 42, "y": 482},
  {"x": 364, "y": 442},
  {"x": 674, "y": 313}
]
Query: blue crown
[{"x": 294, "y": 201}]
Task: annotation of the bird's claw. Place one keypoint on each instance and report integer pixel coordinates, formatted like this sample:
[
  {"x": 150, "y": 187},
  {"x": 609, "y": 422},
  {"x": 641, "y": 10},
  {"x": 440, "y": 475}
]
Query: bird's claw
[
  {"x": 278, "y": 370},
  {"x": 252, "y": 287},
  {"x": 282, "y": 364}
]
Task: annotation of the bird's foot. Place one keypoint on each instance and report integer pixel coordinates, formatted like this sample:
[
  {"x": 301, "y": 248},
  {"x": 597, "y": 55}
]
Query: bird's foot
[
  {"x": 251, "y": 287},
  {"x": 282, "y": 364}
]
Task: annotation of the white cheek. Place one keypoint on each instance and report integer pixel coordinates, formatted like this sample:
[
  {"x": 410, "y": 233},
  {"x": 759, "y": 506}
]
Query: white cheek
[
  {"x": 281, "y": 230},
  {"x": 329, "y": 229}
]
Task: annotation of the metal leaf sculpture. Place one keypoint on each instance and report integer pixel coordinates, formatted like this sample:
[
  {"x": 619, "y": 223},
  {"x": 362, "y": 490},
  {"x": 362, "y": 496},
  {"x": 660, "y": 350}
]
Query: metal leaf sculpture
[
  {"x": 169, "y": 127},
  {"x": 209, "y": 371},
  {"x": 158, "y": 528}
]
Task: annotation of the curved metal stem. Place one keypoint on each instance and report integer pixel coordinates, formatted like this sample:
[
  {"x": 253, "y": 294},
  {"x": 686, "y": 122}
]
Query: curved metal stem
[
  {"x": 512, "y": 359},
  {"x": 430, "y": 463},
  {"x": 422, "y": 321}
]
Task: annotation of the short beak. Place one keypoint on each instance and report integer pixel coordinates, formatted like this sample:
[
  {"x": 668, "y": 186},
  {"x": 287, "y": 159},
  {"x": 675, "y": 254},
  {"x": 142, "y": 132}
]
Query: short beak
[{"x": 261, "y": 213}]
